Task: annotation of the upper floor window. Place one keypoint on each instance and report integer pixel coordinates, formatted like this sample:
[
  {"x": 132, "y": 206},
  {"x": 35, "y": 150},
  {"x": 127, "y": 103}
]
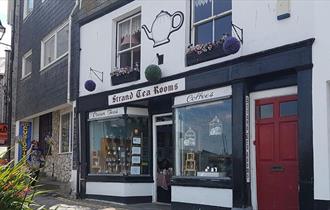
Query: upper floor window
[
  {"x": 28, "y": 7},
  {"x": 27, "y": 64},
  {"x": 129, "y": 42},
  {"x": 55, "y": 46},
  {"x": 211, "y": 20}
]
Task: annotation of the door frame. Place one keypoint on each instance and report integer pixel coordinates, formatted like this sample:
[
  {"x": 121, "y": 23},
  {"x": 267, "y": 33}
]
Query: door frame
[
  {"x": 292, "y": 90},
  {"x": 154, "y": 147}
]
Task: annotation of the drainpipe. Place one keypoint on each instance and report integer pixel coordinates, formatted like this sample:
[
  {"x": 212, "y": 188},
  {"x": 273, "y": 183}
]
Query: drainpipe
[{"x": 69, "y": 86}]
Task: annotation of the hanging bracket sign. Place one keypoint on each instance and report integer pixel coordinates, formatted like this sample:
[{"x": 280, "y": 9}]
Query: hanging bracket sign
[{"x": 147, "y": 92}]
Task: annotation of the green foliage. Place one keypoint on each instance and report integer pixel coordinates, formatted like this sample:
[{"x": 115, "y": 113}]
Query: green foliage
[
  {"x": 153, "y": 73},
  {"x": 17, "y": 188}
]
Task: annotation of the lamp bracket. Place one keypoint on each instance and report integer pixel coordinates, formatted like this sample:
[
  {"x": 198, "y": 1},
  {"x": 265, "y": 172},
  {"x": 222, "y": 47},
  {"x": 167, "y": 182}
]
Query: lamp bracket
[{"x": 236, "y": 29}]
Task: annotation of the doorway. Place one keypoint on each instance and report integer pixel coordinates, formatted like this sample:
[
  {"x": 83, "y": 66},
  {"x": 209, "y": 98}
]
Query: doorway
[
  {"x": 163, "y": 157},
  {"x": 274, "y": 149}
]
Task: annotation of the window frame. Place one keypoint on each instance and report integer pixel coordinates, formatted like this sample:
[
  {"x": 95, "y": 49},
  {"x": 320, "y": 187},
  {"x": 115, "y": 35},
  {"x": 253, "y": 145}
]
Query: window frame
[
  {"x": 70, "y": 133},
  {"x": 212, "y": 19},
  {"x": 47, "y": 38},
  {"x": 25, "y": 8},
  {"x": 25, "y": 56},
  {"x": 130, "y": 49}
]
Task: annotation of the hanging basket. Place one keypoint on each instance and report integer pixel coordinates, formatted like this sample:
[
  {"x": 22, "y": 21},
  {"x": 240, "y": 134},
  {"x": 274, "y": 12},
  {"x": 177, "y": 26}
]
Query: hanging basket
[
  {"x": 90, "y": 85},
  {"x": 231, "y": 45},
  {"x": 153, "y": 73}
]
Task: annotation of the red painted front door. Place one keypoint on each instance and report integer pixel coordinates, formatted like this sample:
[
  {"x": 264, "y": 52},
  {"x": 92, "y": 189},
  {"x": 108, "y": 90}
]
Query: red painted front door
[{"x": 276, "y": 153}]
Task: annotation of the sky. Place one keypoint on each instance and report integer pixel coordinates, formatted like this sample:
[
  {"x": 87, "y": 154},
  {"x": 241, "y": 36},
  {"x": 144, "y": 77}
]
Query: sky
[{"x": 6, "y": 39}]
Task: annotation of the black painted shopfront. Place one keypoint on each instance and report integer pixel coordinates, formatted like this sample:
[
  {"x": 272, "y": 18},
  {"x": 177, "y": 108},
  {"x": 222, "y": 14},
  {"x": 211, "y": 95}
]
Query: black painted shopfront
[{"x": 289, "y": 65}]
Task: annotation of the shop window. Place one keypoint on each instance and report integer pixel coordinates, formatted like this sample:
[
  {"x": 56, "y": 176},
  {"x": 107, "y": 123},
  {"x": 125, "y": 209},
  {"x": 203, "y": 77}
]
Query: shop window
[
  {"x": 211, "y": 20},
  {"x": 128, "y": 51},
  {"x": 65, "y": 133},
  {"x": 119, "y": 146},
  {"x": 27, "y": 64},
  {"x": 204, "y": 140},
  {"x": 28, "y": 7},
  {"x": 55, "y": 46}
]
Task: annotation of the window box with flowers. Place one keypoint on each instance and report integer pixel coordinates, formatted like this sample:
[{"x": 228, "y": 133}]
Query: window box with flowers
[
  {"x": 128, "y": 51},
  {"x": 211, "y": 24}
]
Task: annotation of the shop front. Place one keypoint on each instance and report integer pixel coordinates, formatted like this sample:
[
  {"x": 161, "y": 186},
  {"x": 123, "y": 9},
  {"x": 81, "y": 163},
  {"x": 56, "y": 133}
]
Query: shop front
[{"x": 229, "y": 136}]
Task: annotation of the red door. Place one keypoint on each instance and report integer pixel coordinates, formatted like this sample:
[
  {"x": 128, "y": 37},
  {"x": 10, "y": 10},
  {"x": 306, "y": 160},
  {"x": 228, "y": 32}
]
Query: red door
[{"x": 277, "y": 155}]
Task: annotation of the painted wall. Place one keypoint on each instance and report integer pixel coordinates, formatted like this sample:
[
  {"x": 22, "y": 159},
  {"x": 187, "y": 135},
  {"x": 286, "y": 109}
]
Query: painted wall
[{"x": 258, "y": 18}]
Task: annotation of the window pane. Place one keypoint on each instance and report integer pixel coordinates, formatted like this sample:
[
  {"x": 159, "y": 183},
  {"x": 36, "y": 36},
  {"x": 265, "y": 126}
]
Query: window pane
[
  {"x": 203, "y": 9},
  {"x": 124, "y": 35},
  {"x": 30, "y": 5},
  {"x": 65, "y": 133},
  {"x": 49, "y": 51},
  {"x": 265, "y": 111},
  {"x": 136, "y": 58},
  {"x": 203, "y": 33},
  {"x": 204, "y": 140},
  {"x": 222, "y": 26},
  {"x": 136, "y": 31},
  {"x": 119, "y": 147},
  {"x": 288, "y": 108},
  {"x": 62, "y": 41},
  {"x": 125, "y": 59},
  {"x": 221, "y": 6},
  {"x": 28, "y": 65}
]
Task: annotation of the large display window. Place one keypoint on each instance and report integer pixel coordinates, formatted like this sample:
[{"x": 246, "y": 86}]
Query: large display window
[
  {"x": 204, "y": 139},
  {"x": 119, "y": 146}
]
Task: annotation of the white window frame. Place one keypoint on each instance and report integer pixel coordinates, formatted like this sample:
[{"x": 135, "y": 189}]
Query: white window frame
[
  {"x": 25, "y": 7},
  {"x": 209, "y": 19},
  {"x": 70, "y": 133},
  {"x": 29, "y": 53},
  {"x": 48, "y": 37},
  {"x": 118, "y": 52}
]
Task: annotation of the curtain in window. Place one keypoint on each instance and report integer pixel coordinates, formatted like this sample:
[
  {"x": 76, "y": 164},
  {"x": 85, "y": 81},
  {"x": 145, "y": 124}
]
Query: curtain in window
[{"x": 199, "y": 3}]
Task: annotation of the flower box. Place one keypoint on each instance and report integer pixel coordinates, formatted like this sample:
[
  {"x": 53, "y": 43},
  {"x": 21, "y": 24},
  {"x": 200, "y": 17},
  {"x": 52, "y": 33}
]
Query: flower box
[
  {"x": 205, "y": 52},
  {"x": 123, "y": 78}
]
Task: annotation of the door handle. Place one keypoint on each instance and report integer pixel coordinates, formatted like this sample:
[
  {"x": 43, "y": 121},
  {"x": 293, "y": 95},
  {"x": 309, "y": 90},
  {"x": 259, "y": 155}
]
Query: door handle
[{"x": 277, "y": 168}]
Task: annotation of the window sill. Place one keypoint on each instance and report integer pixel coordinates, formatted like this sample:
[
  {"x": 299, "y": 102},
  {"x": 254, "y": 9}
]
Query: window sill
[
  {"x": 195, "y": 58},
  {"x": 26, "y": 77},
  {"x": 209, "y": 182},
  {"x": 53, "y": 62},
  {"x": 64, "y": 153},
  {"x": 117, "y": 178}
]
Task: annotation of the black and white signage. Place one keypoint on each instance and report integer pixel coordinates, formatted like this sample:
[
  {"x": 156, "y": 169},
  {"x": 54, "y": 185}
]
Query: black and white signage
[
  {"x": 106, "y": 113},
  {"x": 148, "y": 92},
  {"x": 203, "y": 96}
]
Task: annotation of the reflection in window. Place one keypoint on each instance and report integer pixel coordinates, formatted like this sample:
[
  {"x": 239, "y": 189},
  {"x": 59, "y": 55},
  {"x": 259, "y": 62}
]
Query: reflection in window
[
  {"x": 119, "y": 146},
  {"x": 65, "y": 145},
  {"x": 204, "y": 140},
  {"x": 288, "y": 108},
  {"x": 210, "y": 25},
  {"x": 265, "y": 111}
]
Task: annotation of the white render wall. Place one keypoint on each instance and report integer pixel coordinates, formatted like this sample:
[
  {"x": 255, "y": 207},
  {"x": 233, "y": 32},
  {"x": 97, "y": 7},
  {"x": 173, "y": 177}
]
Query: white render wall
[{"x": 262, "y": 31}]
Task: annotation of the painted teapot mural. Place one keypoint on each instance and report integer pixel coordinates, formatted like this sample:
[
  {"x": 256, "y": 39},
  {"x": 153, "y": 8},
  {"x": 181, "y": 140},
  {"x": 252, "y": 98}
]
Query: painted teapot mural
[{"x": 163, "y": 26}]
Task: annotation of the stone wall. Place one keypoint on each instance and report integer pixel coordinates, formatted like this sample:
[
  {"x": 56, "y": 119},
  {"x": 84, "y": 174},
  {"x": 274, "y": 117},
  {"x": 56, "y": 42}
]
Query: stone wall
[{"x": 58, "y": 166}]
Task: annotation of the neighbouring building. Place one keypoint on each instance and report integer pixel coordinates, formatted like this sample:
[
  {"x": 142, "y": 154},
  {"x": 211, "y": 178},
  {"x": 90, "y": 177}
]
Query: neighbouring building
[
  {"x": 204, "y": 104},
  {"x": 44, "y": 103}
]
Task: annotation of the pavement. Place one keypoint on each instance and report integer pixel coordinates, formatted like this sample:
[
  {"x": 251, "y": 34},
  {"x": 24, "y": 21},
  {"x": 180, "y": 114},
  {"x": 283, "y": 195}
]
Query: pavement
[{"x": 56, "y": 202}]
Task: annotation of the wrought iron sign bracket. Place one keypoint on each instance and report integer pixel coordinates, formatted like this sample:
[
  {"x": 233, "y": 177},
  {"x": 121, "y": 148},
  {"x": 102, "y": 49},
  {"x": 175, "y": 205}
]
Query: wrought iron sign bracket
[
  {"x": 98, "y": 74},
  {"x": 236, "y": 29}
]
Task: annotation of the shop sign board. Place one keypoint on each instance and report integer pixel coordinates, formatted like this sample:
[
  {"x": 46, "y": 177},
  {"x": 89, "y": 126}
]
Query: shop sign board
[
  {"x": 203, "y": 96},
  {"x": 107, "y": 113},
  {"x": 25, "y": 131},
  {"x": 148, "y": 92},
  {"x": 3, "y": 134}
]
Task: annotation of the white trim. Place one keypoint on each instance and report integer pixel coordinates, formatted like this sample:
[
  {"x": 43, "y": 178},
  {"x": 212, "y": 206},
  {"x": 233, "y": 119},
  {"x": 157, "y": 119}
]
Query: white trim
[
  {"x": 29, "y": 53},
  {"x": 47, "y": 38},
  {"x": 137, "y": 111},
  {"x": 154, "y": 143},
  {"x": 70, "y": 132},
  {"x": 253, "y": 97}
]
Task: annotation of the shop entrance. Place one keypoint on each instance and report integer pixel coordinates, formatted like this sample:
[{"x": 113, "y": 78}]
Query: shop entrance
[
  {"x": 276, "y": 138},
  {"x": 163, "y": 157}
]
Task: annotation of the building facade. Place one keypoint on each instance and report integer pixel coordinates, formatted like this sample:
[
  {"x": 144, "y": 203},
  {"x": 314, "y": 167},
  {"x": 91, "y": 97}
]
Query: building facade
[
  {"x": 44, "y": 103},
  {"x": 173, "y": 109}
]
